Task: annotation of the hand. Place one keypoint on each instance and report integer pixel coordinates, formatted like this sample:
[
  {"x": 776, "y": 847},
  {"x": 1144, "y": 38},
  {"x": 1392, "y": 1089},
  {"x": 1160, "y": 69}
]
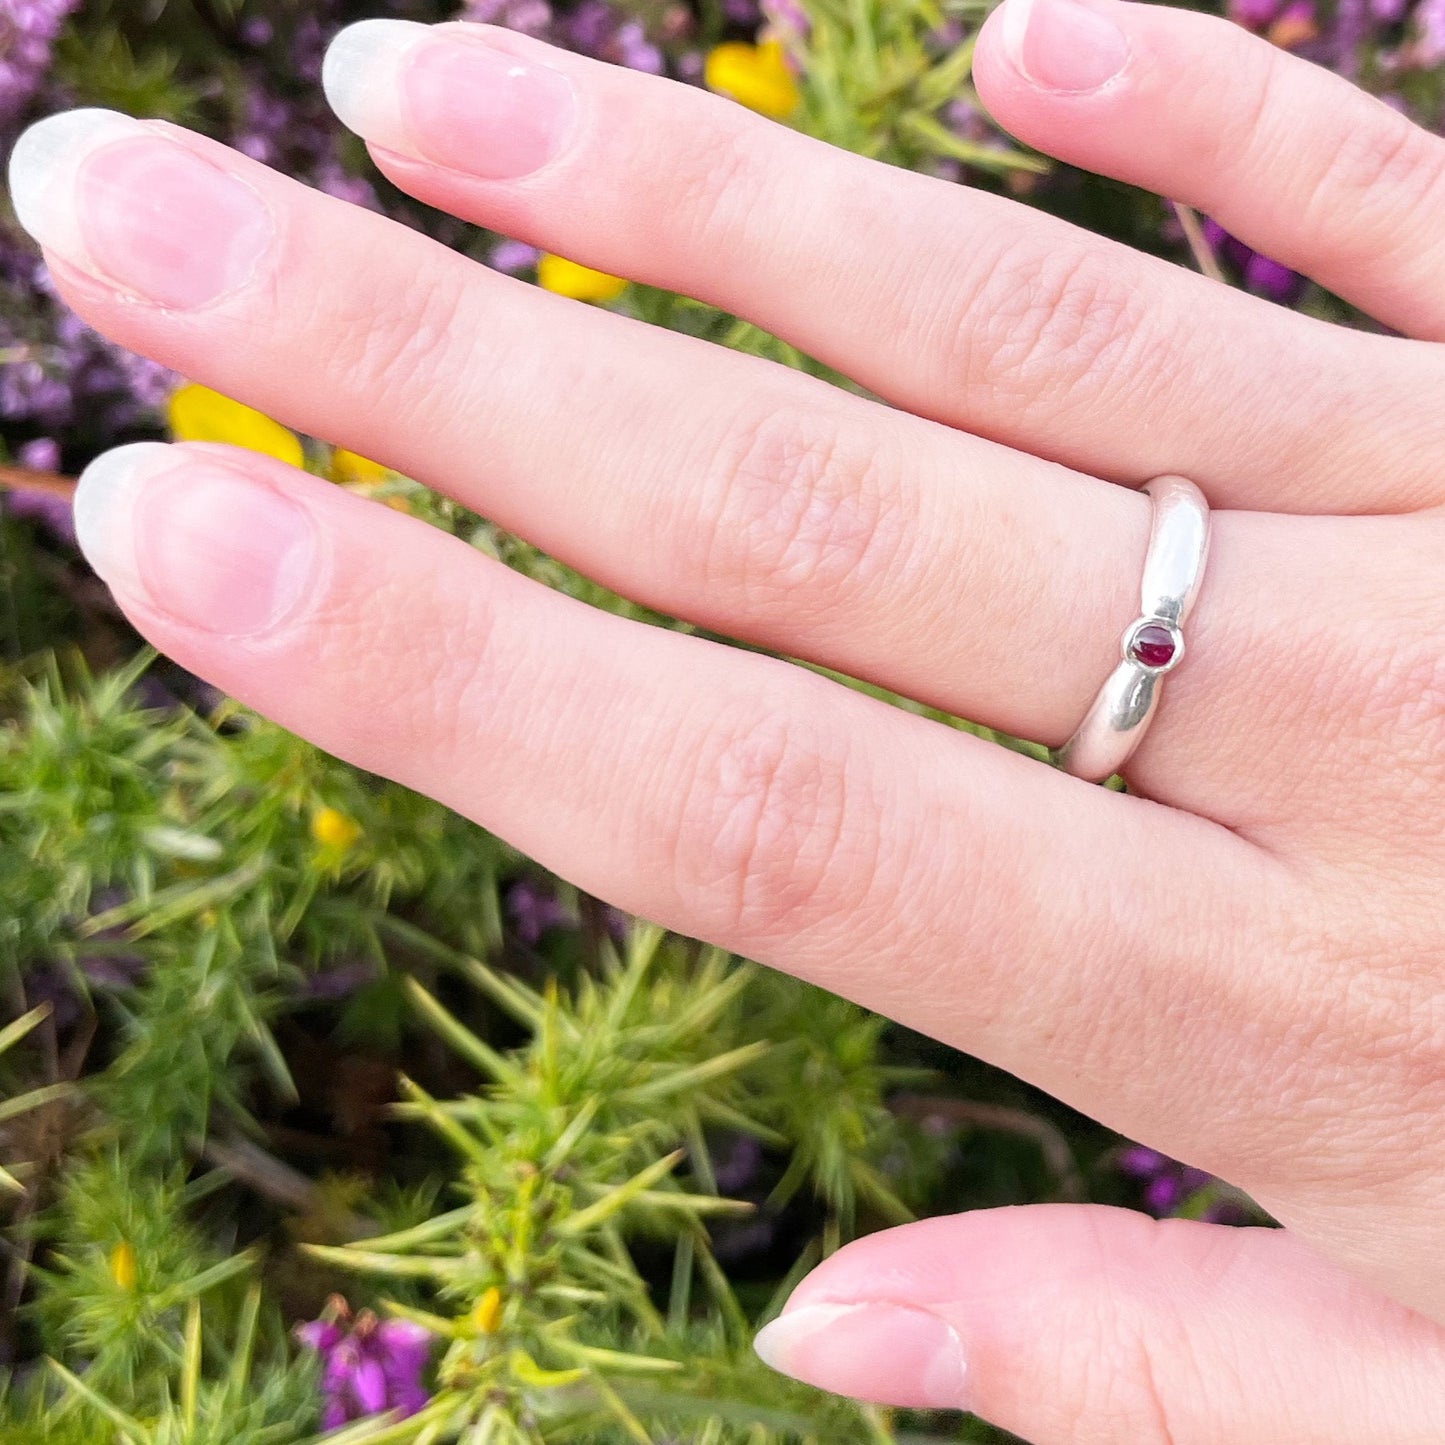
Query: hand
[{"x": 1241, "y": 965}]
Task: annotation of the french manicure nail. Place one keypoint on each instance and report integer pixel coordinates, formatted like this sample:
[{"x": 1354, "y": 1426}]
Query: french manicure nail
[
  {"x": 128, "y": 204},
  {"x": 1062, "y": 45},
  {"x": 201, "y": 541},
  {"x": 448, "y": 95},
  {"x": 889, "y": 1353}
]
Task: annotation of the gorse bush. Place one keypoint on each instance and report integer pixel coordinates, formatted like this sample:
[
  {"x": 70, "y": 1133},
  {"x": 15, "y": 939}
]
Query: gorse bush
[{"x": 322, "y": 1111}]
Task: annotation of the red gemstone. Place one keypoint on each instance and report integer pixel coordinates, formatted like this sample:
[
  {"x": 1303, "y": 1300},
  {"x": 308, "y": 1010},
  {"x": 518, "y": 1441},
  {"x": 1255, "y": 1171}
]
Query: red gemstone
[{"x": 1153, "y": 645}]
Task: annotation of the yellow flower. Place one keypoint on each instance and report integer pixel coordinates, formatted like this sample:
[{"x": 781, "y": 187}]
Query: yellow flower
[
  {"x": 582, "y": 283},
  {"x": 487, "y": 1313},
  {"x": 333, "y": 829},
  {"x": 353, "y": 469},
  {"x": 123, "y": 1265},
  {"x": 198, "y": 414},
  {"x": 757, "y": 76}
]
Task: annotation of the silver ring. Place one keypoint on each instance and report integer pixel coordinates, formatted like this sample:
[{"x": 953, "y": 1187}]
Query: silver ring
[{"x": 1153, "y": 644}]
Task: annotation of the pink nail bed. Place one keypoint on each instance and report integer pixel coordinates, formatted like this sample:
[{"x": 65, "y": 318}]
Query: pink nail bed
[
  {"x": 220, "y": 550},
  {"x": 167, "y": 225},
  {"x": 473, "y": 108}
]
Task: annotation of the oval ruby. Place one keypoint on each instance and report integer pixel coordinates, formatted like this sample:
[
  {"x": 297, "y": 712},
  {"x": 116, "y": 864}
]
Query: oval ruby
[{"x": 1153, "y": 645}]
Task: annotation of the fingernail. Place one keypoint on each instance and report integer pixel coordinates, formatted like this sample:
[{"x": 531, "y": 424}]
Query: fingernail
[
  {"x": 130, "y": 205},
  {"x": 887, "y": 1353},
  {"x": 194, "y": 538},
  {"x": 1062, "y": 45},
  {"x": 448, "y": 95}
]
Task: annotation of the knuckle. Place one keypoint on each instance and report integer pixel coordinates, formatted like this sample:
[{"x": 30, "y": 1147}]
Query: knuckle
[
  {"x": 796, "y": 506},
  {"x": 716, "y": 188},
  {"x": 447, "y": 634},
  {"x": 1380, "y": 165},
  {"x": 764, "y": 826},
  {"x": 1130, "y": 1363},
  {"x": 407, "y": 345},
  {"x": 1049, "y": 324}
]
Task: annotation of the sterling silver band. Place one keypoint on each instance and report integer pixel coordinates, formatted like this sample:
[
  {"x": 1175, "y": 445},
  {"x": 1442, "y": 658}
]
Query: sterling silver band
[{"x": 1153, "y": 643}]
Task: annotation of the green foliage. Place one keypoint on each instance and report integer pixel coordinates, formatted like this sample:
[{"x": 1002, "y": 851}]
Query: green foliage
[
  {"x": 878, "y": 75},
  {"x": 211, "y": 1393},
  {"x": 576, "y": 1143},
  {"x": 223, "y": 863}
]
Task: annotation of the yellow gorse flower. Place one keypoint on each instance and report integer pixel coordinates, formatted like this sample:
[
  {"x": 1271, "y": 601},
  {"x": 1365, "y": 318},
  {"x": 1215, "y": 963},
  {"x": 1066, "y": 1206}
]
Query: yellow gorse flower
[
  {"x": 487, "y": 1312},
  {"x": 757, "y": 76},
  {"x": 582, "y": 283},
  {"x": 352, "y": 469},
  {"x": 331, "y": 828},
  {"x": 198, "y": 414},
  {"x": 123, "y": 1265}
]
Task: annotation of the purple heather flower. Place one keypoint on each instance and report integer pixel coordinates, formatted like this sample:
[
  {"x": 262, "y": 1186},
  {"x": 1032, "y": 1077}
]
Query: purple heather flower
[
  {"x": 1273, "y": 279},
  {"x": 1429, "y": 47},
  {"x": 787, "y": 17},
  {"x": 590, "y": 25},
  {"x": 368, "y": 1365},
  {"x": 1254, "y": 14},
  {"x": 736, "y": 1165},
  {"x": 533, "y": 910},
  {"x": 339, "y": 980},
  {"x": 513, "y": 256},
  {"x": 1163, "y": 1194},
  {"x": 28, "y": 30},
  {"x": 1352, "y": 25},
  {"x": 742, "y": 12},
  {"x": 1167, "y": 1183},
  {"x": 336, "y": 180},
  {"x": 40, "y": 455},
  {"x": 53, "y": 513},
  {"x": 1263, "y": 276},
  {"x": 531, "y": 17},
  {"x": 635, "y": 50},
  {"x": 1141, "y": 1162}
]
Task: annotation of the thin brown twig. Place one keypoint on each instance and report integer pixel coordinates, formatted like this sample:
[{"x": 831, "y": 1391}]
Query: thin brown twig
[
  {"x": 252, "y": 1166},
  {"x": 23, "y": 479},
  {"x": 1051, "y": 1142},
  {"x": 1204, "y": 256}
]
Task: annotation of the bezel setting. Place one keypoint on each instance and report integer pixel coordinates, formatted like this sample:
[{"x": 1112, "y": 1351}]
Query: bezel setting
[{"x": 1131, "y": 641}]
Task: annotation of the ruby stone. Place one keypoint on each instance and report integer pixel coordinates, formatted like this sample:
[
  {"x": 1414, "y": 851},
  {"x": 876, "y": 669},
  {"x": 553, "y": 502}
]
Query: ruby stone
[{"x": 1153, "y": 645}]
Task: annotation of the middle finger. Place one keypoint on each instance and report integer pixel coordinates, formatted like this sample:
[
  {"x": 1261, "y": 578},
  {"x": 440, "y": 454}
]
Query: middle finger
[
  {"x": 949, "y": 301},
  {"x": 739, "y": 494}
]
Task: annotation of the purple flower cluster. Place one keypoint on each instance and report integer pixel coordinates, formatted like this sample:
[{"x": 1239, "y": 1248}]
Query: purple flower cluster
[
  {"x": 55, "y": 372},
  {"x": 368, "y": 1365},
  {"x": 595, "y": 27},
  {"x": 1169, "y": 1184},
  {"x": 296, "y": 132},
  {"x": 1263, "y": 276},
  {"x": 533, "y": 909},
  {"x": 28, "y": 30}
]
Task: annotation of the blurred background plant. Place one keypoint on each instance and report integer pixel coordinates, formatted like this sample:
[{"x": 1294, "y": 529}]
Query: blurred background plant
[{"x": 323, "y": 1111}]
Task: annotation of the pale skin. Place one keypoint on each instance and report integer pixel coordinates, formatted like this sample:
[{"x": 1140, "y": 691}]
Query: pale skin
[{"x": 1239, "y": 964}]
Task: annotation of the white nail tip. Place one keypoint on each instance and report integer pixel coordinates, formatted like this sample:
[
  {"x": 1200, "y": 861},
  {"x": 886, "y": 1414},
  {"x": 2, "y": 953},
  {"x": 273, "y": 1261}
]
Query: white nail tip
[
  {"x": 43, "y": 166},
  {"x": 106, "y": 486},
  {"x": 776, "y": 1343},
  {"x": 1016, "y": 16},
  {"x": 358, "y": 74}
]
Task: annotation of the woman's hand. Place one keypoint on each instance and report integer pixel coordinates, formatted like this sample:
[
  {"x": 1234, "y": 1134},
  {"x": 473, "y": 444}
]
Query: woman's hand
[{"x": 1244, "y": 966}]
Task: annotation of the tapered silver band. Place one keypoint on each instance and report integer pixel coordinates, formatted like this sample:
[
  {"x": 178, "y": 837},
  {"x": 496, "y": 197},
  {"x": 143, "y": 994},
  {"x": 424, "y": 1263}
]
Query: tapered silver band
[{"x": 1153, "y": 644}]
